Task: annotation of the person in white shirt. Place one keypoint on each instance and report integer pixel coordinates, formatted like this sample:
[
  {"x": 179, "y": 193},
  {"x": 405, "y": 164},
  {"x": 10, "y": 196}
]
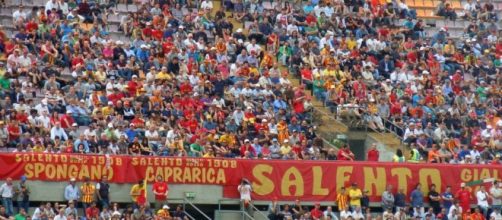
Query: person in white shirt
[
  {"x": 495, "y": 215},
  {"x": 482, "y": 197},
  {"x": 206, "y": 5},
  {"x": 344, "y": 214},
  {"x": 245, "y": 191},
  {"x": 7, "y": 192},
  {"x": 61, "y": 215},
  {"x": 58, "y": 131},
  {"x": 51, "y": 4},
  {"x": 357, "y": 214},
  {"x": 19, "y": 16},
  {"x": 153, "y": 137},
  {"x": 329, "y": 212},
  {"x": 496, "y": 193}
]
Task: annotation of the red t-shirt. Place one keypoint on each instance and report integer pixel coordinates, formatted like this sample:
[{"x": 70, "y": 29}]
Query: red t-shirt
[
  {"x": 160, "y": 187},
  {"x": 66, "y": 118},
  {"x": 316, "y": 213},
  {"x": 13, "y": 129},
  {"x": 92, "y": 212},
  {"x": 373, "y": 155},
  {"x": 464, "y": 197}
]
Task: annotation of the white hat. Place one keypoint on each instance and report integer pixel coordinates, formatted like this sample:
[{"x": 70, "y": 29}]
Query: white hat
[
  {"x": 44, "y": 101},
  {"x": 240, "y": 41},
  {"x": 196, "y": 94},
  {"x": 264, "y": 120},
  {"x": 119, "y": 42},
  {"x": 110, "y": 103},
  {"x": 425, "y": 72},
  {"x": 442, "y": 29},
  {"x": 489, "y": 127},
  {"x": 165, "y": 207},
  {"x": 239, "y": 30},
  {"x": 72, "y": 179},
  {"x": 81, "y": 100},
  {"x": 499, "y": 123},
  {"x": 463, "y": 184},
  {"x": 181, "y": 26},
  {"x": 143, "y": 46},
  {"x": 74, "y": 125},
  {"x": 110, "y": 125},
  {"x": 68, "y": 111},
  {"x": 148, "y": 23},
  {"x": 134, "y": 76},
  {"x": 286, "y": 141},
  {"x": 247, "y": 140}
]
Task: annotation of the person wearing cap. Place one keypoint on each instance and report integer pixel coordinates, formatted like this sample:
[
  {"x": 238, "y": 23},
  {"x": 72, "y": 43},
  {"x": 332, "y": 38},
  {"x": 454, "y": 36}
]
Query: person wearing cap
[
  {"x": 417, "y": 200},
  {"x": 248, "y": 149},
  {"x": 72, "y": 192},
  {"x": 71, "y": 209},
  {"x": 164, "y": 213},
  {"x": 245, "y": 190},
  {"x": 464, "y": 196},
  {"x": 22, "y": 194}
]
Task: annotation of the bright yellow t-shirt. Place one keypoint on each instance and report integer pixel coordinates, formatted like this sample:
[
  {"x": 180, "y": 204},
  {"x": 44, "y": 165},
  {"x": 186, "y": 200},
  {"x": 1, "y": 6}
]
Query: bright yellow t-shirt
[
  {"x": 355, "y": 196},
  {"x": 135, "y": 191}
]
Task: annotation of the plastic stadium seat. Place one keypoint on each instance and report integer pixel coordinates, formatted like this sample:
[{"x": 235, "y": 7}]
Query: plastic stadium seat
[
  {"x": 410, "y": 3},
  {"x": 428, "y": 3},
  {"x": 456, "y": 4}
]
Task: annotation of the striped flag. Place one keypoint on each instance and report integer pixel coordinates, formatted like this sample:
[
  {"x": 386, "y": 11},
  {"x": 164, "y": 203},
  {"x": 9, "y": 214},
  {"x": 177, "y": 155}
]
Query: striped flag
[{"x": 480, "y": 182}]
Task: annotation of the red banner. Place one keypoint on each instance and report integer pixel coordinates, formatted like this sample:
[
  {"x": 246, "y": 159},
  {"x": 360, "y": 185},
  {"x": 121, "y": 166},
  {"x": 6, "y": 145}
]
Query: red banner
[{"x": 286, "y": 180}]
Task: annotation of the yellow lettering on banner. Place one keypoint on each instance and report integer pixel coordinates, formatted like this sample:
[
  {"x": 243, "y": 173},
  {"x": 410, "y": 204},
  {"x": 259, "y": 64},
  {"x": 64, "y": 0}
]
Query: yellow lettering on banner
[
  {"x": 118, "y": 161},
  {"x": 84, "y": 172},
  {"x": 403, "y": 174},
  {"x": 64, "y": 158},
  {"x": 221, "y": 177},
  {"x": 73, "y": 171},
  {"x": 485, "y": 174},
  {"x": 50, "y": 171},
  {"x": 196, "y": 175},
  {"x": 159, "y": 172},
  {"x": 168, "y": 173},
  {"x": 28, "y": 170},
  {"x": 134, "y": 161},
  {"x": 466, "y": 175},
  {"x": 187, "y": 176},
  {"x": 376, "y": 181},
  {"x": 18, "y": 158},
  {"x": 149, "y": 174},
  {"x": 263, "y": 185},
  {"x": 317, "y": 189},
  {"x": 341, "y": 176},
  {"x": 179, "y": 162},
  {"x": 433, "y": 175},
  {"x": 287, "y": 182},
  {"x": 177, "y": 175},
  {"x": 210, "y": 175},
  {"x": 38, "y": 169}
]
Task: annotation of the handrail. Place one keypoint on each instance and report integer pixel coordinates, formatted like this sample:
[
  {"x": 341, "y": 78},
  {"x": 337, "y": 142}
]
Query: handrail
[
  {"x": 196, "y": 209},
  {"x": 242, "y": 213},
  {"x": 257, "y": 210},
  {"x": 186, "y": 201}
]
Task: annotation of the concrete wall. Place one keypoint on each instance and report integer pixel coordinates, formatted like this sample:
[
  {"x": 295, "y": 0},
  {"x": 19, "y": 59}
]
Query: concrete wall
[
  {"x": 386, "y": 152},
  {"x": 54, "y": 191}
]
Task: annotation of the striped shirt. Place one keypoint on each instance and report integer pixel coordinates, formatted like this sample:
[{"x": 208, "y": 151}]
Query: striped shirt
[
  {"x": 341, "y": 201},
  {"x": 88, "y": 190}
]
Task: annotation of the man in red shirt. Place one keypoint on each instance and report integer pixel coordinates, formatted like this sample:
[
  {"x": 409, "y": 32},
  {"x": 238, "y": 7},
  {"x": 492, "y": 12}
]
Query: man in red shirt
[
  {"x": 160, "y": 190},
  {"x": 67, "y": 120},
  {"x": 92, "y": 213},
  {"x": 373, "y": 153},
  {"x": 464, "y": 197},
  {"x": 247, "y": 147},
  {"x": 345, "y": 154},
  {"x": 316, "y": 211}
]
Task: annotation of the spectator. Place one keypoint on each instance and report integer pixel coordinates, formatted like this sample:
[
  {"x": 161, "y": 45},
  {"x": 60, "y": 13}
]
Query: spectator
[
  {"x": 388, "y": 198},
  {"x": 355, "y": 195},
  {"x": 447, "y": 198},
  {"x": 482, "y": 197},
  {"x": 103, "y": 192},
  {"x": 274, "y": 210},
  {"x": 245, "y": 193},
  {"x": 7, "y": 192},
  {"x": 496, "y": 195},
  {"x": 417, "y": 202},
  {"x": 373, "y": 153},
  {"x": 22, "y": 195},
  {"x": 160, "y": 190},
  {"x": 464, "y": 197},
  {"x": 88, "y": 191},
  {"x": 434, "y": 199},
  {"x": 342, "y": 199}
]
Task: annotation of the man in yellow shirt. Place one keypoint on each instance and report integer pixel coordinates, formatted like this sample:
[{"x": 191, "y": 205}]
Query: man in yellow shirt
[
  {"x": 355, "y": 195},
  {"x": 136, "y": 191},
  {"x": 286, "y": 148},
  {"x": 163, "y": 74}
]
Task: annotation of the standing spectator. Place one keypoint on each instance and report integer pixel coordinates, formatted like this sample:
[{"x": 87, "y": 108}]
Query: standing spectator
[
  {"x": 342, "y": 199},
  {"x": 388, "y": 198},
  {"x": 136, "y": 192},
  {"x": 355, "y": 195},
  {"x": 434, "y": 199},
  {"x": 88, "y": 190},
  {"x": 373, "y": 153},
  {"x": 365, "y": 201},
  {"x": 464, "y": 197},
  {"x": 7, "y": 192},
  {"x": 496, "y": 194},
  {"x": 417, "y": 201},
  {"x": 103, "y": 192},
  {"x": 160, "y": 190},
  {"x": 245, "y": 191},
  {"x": 329, "y": 214},
  {"x": 400, "y": 199},
  {"x": 447, "y": 198},
  {"x": 22, "y": 195},
  {"x": 482, "y": 197}
]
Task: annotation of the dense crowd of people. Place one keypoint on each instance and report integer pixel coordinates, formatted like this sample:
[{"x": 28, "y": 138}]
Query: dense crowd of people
[{"x": 186, "y": 82}]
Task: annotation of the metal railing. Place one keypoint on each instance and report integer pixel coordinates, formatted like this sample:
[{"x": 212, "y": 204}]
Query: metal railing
[
  {"x": 237, "y": 201},
  {"x": 187, "y": 202},
  {"x": 244, "y": 215}
]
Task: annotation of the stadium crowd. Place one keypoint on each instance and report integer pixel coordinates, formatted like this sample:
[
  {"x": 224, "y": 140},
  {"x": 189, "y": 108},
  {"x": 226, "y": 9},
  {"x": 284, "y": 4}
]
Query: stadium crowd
[{"x": 186, "y": 82}]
